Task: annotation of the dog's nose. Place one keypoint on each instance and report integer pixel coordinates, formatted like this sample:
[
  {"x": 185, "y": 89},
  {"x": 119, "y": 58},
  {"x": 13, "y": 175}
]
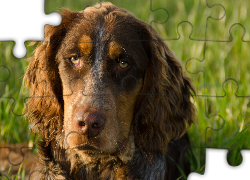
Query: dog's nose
[{"x": 90, "y": 123}]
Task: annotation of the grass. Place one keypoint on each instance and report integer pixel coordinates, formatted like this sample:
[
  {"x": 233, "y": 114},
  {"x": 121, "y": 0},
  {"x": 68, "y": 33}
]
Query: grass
[
  {"x": 218, "y": 67},
  {"x": 13, "y": 128},
  {"x": 19, "y": 176}
]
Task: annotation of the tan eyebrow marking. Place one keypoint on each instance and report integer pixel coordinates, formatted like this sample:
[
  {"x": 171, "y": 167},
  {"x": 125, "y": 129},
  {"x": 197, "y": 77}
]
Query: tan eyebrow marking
[
  {"x": 115, "y": 50},
  {"x": 85, "y": 44}
]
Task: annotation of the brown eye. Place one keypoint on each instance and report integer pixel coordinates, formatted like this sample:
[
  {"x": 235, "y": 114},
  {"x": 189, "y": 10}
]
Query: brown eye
[
  {"x": 123, "y": 64},
  {"x": 75, "y": 60}
]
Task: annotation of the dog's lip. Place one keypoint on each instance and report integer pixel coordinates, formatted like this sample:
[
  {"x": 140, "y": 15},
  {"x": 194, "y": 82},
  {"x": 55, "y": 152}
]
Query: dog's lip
[{"x": 86, "y": 147}]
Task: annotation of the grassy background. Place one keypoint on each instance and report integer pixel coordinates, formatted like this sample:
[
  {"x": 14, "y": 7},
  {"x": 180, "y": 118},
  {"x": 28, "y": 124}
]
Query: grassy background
[{"x": 213, "y": 51}]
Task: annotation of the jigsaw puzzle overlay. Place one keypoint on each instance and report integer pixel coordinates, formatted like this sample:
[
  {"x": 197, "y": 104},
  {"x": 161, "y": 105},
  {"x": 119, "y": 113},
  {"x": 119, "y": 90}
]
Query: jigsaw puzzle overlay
[
  {"x": 30, "y": 11},
  {"x": 210, "y": 38}
]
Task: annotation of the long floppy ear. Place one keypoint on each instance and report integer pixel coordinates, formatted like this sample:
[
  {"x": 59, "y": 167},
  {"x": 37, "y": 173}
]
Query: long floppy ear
[
  {"x": 45, "y": 104},
  {"x": 164, "y": 108}
]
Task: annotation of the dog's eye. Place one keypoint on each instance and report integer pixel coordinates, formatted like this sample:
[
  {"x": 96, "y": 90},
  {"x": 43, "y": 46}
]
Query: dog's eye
[
  {"x": 123, "y": 64},
  {"x": 75, "y": 60}
]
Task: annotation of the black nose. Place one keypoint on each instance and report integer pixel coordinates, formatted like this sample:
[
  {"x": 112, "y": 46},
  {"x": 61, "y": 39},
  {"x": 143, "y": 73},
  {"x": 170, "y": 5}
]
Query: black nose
[{"x": 90, "y": 123}]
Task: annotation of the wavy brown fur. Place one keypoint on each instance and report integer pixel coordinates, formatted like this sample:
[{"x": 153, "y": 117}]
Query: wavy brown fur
[{"x": 163, "y": 110}]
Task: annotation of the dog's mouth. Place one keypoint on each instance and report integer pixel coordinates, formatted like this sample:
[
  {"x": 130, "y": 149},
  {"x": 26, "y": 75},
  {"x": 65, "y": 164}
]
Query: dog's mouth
[
  {"x": 121, "y": 144},
  {"x": 87, "y": 147}
]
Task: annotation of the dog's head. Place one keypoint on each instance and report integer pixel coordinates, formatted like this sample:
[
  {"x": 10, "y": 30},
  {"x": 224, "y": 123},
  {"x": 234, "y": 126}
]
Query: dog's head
[{"x": 110, "y": 83}]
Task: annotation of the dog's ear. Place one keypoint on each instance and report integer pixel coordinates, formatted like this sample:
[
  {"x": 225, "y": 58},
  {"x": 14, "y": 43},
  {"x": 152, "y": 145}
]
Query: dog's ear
[
  {"x": 164, "y": 109},
  {"x": 45, "y": 103}
]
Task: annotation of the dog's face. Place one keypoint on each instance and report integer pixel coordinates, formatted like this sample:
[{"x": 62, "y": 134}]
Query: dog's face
[
  {"x": 102, "y": 74},
  {"x": 112, "y": 86}
]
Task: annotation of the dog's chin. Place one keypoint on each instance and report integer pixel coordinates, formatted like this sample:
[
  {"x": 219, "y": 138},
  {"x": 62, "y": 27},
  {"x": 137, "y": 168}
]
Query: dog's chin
[{"x": 88, "y": 154}]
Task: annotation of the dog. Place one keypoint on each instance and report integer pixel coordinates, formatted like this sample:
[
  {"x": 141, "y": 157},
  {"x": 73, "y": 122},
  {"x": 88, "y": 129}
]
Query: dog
[{"x": 108, "y": 99}]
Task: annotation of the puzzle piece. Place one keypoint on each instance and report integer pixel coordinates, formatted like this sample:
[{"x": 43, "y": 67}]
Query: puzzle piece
[
  {"x": 15, "y": 27},
  {"x": 229, "y": 64},
  {"x": 208, "y": 12},
  {"x": 15, "y": 156},
  {"x": 217, "y": 168},
  {"x": 235, "y": 13},
  {"x": 230, "y": 116}
]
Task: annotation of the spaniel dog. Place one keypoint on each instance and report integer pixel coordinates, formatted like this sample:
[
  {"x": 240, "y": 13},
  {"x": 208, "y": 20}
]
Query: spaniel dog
[{"x": 108, "y": 99}]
